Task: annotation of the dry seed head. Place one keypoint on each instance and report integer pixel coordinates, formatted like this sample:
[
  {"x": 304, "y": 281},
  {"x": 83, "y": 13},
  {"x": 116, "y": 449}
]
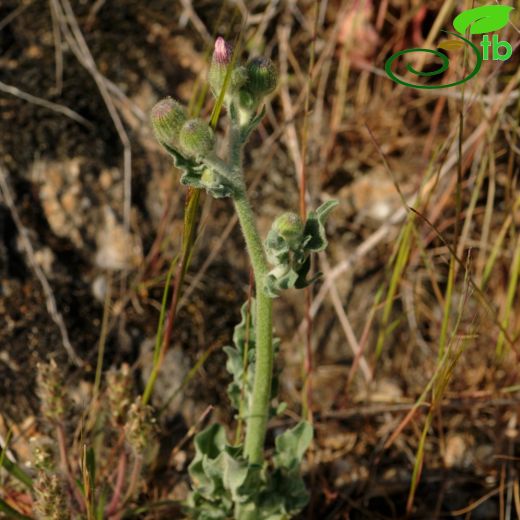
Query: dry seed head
[
  {"x": 51, "y": 390},
  {"x": 119, "y": 392},
  {"x": 51, "y": 501},
  {"x": 140, "y": 426}
]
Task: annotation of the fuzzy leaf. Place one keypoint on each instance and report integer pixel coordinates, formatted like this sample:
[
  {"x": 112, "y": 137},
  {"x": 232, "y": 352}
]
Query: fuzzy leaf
[
  {"x": 292, "y": 444},
  {"x": 248, "y": 129},
  {"x": 483, "y": 19},
  {"x": 290, "y": 255},
  {"x": 200, "y": 176},
  {"x": 314, "y": 233},
  {"x": 209, "y": 443},
  {"x": 240, "y": 389}
]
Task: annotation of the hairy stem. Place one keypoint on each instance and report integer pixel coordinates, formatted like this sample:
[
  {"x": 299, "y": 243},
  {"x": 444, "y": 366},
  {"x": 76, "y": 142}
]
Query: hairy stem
[{"x": 257, "y": 420}]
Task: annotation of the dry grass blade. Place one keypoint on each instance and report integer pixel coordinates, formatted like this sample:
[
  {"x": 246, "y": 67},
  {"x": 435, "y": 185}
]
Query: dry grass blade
[
  {"x": 74, "y": 37},
  {"x": 35, "y": 100},
  {"x": 52, "y": 306}
]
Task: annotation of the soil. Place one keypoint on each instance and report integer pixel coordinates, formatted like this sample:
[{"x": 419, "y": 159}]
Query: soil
[{"x": 67, "y": 181}]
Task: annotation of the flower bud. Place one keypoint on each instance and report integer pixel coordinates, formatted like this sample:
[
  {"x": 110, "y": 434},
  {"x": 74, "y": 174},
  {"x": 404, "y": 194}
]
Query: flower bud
[
  {"x": 262, "y": 76},
  {"x": 167, "y": 118},
  {"x": 197, "y": 137},
  {"x": 219, "y": 64},
  {"x": 290, "y": 227}
]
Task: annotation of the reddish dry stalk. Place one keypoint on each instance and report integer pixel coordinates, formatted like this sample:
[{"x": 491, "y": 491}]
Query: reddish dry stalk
[
  {"x": 62, "y": 446},
  {"x": 179, "y": 280},
  {"x": 121, "y": 470},
  {"x": 134, "y": 476}
]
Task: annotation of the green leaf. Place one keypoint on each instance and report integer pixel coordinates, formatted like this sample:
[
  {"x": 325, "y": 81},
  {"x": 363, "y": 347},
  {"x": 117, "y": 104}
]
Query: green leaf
[
  {"x": 484, "y": 19},
  {"x": 247, "y": 129},
  {"x": 200, "y": 176},
  {"x": 292, "y": 444},
  {"x": 91, "y": 464},
  {"x": 16, "y": 471},
  {"x": 211, "y": 441},
  {"x": 232, "y": 472},
  {"x": 291, "y": 258},
  {"x": 100, "y": 506},
  {"x": 314, "y": 234}
]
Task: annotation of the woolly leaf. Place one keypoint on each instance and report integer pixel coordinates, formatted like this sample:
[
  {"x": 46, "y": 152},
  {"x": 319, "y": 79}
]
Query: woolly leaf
[
  {"x": 199, "y": 175},
  {"x": 248, "y": 128},
  {"x": 289, "y": 252},
  {"x": 314, "y": 232},
  {"x": 292, "y": 444}
]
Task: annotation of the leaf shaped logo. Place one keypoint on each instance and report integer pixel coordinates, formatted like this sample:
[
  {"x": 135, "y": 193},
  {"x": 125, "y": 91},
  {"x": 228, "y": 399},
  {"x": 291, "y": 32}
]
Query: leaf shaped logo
[{"x": 484, "y": 19}]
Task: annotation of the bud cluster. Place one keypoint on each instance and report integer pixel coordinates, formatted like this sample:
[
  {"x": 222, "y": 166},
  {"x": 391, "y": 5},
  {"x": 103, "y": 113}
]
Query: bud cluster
[
  {"x": 173, "y": 129},
  {"x": 247, "y": 84}
]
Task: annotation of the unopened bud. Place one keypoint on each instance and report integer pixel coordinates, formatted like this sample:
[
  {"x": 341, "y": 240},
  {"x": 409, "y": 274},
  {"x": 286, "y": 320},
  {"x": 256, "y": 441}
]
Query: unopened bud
[
  {"x": 219, "y": 64},
  {"x": 167, "y": 118},
  {"x": 197, "y": 138},
  {"x": 262, "y": 76},
  {"x": 290, "y": 227}
]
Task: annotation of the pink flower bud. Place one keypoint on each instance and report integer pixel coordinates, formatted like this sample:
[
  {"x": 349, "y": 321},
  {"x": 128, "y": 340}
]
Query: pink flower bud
[{"x": 223, "y": 52}]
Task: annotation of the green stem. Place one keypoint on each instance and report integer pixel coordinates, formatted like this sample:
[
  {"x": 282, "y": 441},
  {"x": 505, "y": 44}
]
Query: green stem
[
  {"x": 258, "y": 414},
  {"x": 257, "y": 420}
]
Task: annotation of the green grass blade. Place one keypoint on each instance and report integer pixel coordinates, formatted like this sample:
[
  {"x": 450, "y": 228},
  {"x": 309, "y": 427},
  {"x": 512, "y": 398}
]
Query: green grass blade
[
  {"x": 17, "y": 472},
  {"x": 403, "y": 252}
]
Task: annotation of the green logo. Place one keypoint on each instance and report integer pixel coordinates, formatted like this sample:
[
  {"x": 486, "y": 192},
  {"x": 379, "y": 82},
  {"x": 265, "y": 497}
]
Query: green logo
[{"x": 480, "y": 20}]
